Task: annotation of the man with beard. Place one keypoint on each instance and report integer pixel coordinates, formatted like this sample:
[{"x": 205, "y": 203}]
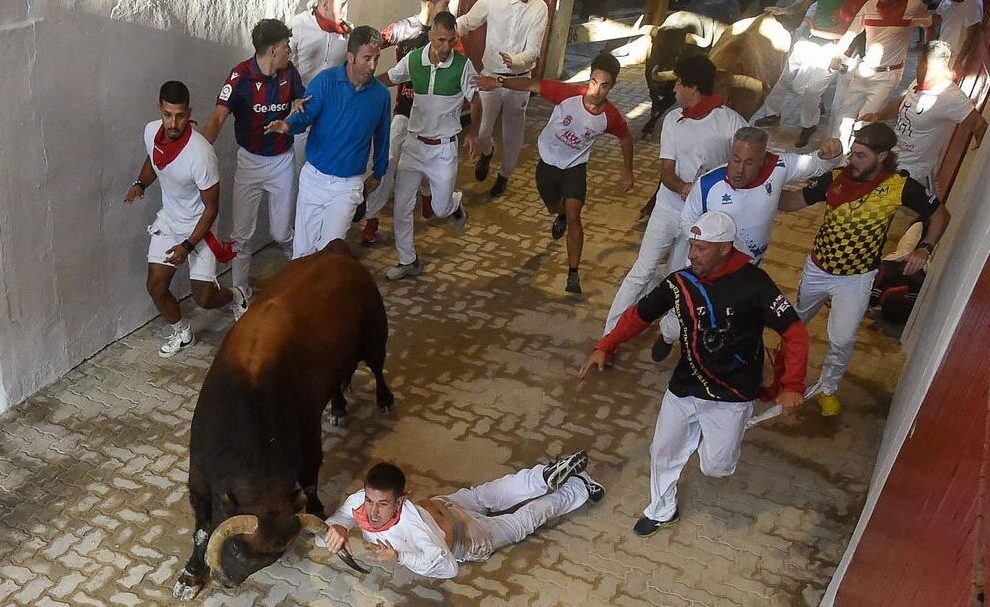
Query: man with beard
[
  {"x": 581, "y": 114},
  {"x": 724, "y": 303},
  {"x": 432, "y": 536},
  {"x": 347, "y": 110},
  {"x": 259, "y": 90},
  {"x": 861, "y": 200},
  {"x": 186, "y": 166}
]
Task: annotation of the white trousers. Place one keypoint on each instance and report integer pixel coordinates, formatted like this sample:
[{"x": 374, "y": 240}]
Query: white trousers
[
  {"x": 324, "y": 209},
  {"x": 806, "y": 73},
  {"x": 438, "y": 165},
  {"x": 662, "y": 230},
  {"x": 512, "y": 107},
  {"x": 513, "y": 489},
  {"x": 865, "y": 92},
  {"x": 687, "y": 424},
  {"x": 850, "y": 297},
  {"x": 254, "y": 177},
  {"x": 379, "y": 198}
]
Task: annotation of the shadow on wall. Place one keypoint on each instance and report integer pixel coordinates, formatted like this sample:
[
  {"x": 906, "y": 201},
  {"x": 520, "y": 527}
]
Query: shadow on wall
[{"x": 78, "y": 91}]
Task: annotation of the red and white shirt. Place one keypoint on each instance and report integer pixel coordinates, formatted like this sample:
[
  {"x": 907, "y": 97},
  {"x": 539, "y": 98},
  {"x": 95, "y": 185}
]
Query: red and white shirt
[
  {"x": 566, "y": 139},
  {"x": 888, "y": 28}
]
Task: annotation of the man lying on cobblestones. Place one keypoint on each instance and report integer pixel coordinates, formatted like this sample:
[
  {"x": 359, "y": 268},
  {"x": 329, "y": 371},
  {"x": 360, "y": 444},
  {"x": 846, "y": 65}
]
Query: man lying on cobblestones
[
  {"x": 723, "y": 303},
  {"x": 432, "y": 536}
]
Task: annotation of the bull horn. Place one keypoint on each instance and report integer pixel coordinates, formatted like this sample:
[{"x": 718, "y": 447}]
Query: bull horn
[
  {"x": 235, "y": 525},
  {"x": 664, "y": 76},
  {"x": 313, "y": 524},
  {"x": 745, "y": 82}
]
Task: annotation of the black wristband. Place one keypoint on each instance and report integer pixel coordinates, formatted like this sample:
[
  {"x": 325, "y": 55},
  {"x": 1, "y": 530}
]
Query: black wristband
[
  {"x": 139, "y": 184},
  {"x": 188, "y": 246},
  {"x": 927, "y": 246}
]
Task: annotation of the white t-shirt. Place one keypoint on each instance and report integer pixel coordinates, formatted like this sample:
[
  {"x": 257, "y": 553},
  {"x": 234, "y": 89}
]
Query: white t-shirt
[
  {"x": 956, "y": 18},
  {"x": 313, "y": 49},
  {"x": 696, "y": 146},
  {"x": 888, "y": 33},
  {"x": 435, "y": 114},
  {"x": 194, "y": 169},
  {"x": 514, "y": 27},
  {"x": 752, "y": 208},
  {"x": 417, "y": 538},
  {"x": 922, "y": 122},
  {"x": 566, "y": 139}
]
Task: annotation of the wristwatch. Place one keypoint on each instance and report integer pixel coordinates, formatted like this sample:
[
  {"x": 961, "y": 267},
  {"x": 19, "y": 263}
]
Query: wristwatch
[
  {"x": 500, "y": 81},
  {"x": 139, "y": 184},
  {"x": 927, "y": 246}
]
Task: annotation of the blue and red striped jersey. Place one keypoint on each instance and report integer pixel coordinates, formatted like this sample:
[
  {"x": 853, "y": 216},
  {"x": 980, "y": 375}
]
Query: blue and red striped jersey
[{"x": 255, "y": 100}]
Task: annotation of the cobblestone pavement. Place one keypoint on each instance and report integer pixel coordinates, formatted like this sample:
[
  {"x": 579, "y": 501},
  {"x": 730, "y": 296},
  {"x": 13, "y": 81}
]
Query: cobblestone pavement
[{"x": 483, "y": 351}]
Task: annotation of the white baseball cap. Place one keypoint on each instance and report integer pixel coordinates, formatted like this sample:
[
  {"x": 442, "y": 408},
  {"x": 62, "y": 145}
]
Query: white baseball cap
[{"x": 713, "y": 226}]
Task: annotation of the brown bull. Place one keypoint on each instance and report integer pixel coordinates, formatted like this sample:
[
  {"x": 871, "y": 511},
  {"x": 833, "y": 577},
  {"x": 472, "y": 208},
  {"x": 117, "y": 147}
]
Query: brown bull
[
  {"x": 255, "y": 446},
  {"x": 749, "y": 56}
]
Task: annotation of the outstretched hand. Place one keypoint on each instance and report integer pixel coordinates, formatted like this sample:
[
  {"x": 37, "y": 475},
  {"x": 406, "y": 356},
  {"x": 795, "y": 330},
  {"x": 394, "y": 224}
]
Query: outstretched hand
[
  {"x": 382, "y": 552},
  {"x": 485, "y": 83},
  {"x": 336, "y": 539},
  {"x": 829, "y": 149},
  {"x": 596, "y": 358},
  {"x": 790, "y": 401}
]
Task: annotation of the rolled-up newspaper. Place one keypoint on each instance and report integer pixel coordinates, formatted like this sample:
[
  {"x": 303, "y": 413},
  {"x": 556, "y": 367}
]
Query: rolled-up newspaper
[{"x": 770, "y": 413}]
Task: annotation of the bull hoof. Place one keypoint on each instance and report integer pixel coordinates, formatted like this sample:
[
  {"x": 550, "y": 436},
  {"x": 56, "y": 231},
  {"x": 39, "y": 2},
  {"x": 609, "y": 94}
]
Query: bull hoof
[
  {"x": 187, "y": 586},
  {"x": 338, "y": 421}
]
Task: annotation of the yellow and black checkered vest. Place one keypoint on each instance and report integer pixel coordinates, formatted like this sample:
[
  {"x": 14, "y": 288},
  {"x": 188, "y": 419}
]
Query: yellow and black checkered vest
[{"x": 851, "y": 239}]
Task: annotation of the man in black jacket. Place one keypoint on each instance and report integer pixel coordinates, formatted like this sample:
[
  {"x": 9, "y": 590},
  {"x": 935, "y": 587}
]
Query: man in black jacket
[{"x": 723, "y": 303}]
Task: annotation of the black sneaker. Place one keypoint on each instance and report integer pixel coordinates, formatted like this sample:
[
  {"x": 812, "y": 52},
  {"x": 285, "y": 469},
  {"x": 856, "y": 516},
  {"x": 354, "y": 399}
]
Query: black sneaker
[
  {"x": 556, "y": 473},
  {"x": 661, "y": 350},
  {"x": 768, "y": 120},
  {"x": 359, "y": 212},
  {"x": 481, "y": 169},
  {"x": 558, "y": 227},
  {"x": 805, "y": 135},
  {"x": 647, "y": 526},
  {"x": 573, "y": 282},
  {"x": 596, "y": 490},
  {"x": 499, "y": 186}
]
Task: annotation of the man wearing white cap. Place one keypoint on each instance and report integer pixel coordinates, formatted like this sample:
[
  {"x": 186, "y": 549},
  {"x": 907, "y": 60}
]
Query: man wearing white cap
[{"x": 723, "y": 302}]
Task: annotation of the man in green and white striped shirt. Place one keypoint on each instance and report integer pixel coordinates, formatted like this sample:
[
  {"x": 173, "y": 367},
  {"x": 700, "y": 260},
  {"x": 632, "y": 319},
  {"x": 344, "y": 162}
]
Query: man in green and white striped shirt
[{"x": 442, "y": 80}]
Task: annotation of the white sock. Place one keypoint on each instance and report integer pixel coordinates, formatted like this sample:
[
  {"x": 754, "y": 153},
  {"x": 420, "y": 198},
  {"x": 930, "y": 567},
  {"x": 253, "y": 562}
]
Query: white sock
[{"x": 180, "y": 326}]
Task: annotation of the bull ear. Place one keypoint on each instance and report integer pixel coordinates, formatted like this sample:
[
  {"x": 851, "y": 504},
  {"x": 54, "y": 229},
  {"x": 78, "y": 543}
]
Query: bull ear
[{"x": 299, "y": 500}]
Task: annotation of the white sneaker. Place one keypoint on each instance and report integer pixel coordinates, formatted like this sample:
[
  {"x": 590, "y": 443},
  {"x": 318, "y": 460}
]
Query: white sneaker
[
  {"x": 405, "y": 269},
  {"x": 459, "y": 217},
  {"x": 178, "y": 340},
  {"x": 240, "y": 304}
]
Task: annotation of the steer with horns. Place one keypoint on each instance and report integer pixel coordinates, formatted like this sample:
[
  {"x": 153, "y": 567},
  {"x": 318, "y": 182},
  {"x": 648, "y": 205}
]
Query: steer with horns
[{"x": 255, "y": 446}]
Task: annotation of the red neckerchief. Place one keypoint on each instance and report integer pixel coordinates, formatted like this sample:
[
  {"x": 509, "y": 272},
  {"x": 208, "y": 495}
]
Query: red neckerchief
[
  {"x": 925, "y": 86},
  {"x": 769, "y": 164},
  {"x": 167, "y": 150},
  {"x": 894, "y": 10},
  {"x": 736, "y": 260},
  {"x": 361, "y": 517},
  {"x": 845, "y": 189},
  {"x": 329, "y": 25},
  {"x": 705, "y": 105}
]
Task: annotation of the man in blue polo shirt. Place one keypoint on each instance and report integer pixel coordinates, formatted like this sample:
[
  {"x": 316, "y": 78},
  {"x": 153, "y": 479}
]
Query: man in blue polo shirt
[
  {"x": 259, "y": 90},
  {"x": 347, "y": 108}
]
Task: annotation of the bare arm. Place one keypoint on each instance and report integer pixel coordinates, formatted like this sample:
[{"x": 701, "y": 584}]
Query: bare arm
[
  {"x": 936, "y": 227},
  {"x": 147, "y": 176},
  {"x": 384, "y": 79},
  {"x": 628, "y": 178},
  {"x": 669, "y": 178},
  {"x": 211, "y": 198},
  {"x": 791, "y": 200},
  {"x": 490, "y": 83},
  {"x": 888, "y": 111},
  {"x": 215, "y": 123}
]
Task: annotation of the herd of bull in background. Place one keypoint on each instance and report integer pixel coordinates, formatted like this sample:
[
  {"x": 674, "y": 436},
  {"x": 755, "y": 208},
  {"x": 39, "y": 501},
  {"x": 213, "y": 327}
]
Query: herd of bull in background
[{"x": 271, "y": 458}]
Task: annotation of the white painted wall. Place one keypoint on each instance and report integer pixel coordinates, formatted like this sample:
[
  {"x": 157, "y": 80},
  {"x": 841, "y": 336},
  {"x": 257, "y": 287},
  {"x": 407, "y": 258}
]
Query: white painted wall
[
  {"x": 81, "y": 80},
  {"x": 945, "y": 293}
]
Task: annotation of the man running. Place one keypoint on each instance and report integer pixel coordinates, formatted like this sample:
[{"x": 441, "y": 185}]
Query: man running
[
  {"x": 581, "y": 115},
  {"x": 186, "y": 166},
  {"x": 259, "y": 90},
  {"x": 724, "y": 302}
]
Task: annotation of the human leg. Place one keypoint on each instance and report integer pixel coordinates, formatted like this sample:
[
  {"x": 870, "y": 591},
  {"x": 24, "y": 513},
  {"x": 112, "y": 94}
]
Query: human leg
[
  {"x": 514, "y": 106},
  {"x": 675, "y": 438},
  {"x": 281, "y": 211},
  {"x": 722, "y": 427},
  {"x": 247, "y": 192},
  {"x": 511, "y": 528},
  {"x": 850, "y": 299},
  {"x": 309, "y": 219}
]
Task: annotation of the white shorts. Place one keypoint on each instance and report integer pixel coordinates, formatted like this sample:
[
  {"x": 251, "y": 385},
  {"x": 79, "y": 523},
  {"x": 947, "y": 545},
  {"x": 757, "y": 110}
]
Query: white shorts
[{"x": 202, "y": 262}]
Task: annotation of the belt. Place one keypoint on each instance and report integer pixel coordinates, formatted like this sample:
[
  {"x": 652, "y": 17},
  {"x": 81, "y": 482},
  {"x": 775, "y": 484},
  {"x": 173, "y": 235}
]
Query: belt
[
  {"x": 887, "y": 68},
  {"x": 508, "y": 75},
  {"x": 439, "y": 141}
]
